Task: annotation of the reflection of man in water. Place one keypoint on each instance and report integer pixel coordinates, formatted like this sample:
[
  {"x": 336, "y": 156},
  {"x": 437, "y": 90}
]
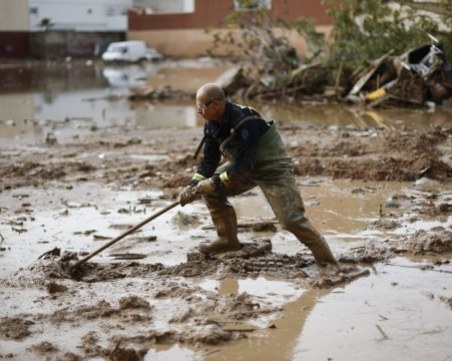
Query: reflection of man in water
[
  {"x": 287, "y": 341},
  {"x": 256, "y": 157},
  {"x": 228, "y": 286}
]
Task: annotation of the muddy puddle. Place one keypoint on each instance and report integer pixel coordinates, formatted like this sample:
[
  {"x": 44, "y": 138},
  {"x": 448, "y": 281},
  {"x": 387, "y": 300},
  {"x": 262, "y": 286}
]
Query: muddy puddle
[
  {"x": 80, "y": 164},
  {"x": 66, "y": 100}
]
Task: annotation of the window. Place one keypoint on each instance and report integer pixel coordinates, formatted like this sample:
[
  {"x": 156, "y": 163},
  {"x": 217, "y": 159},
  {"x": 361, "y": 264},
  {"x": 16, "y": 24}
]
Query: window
[
  {"x": 34, "y": 10},
  {"x": 110, "y": 11}
]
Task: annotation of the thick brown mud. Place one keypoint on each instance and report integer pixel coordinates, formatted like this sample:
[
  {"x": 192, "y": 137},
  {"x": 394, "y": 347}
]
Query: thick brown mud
[{"x": 380, "y": 194}]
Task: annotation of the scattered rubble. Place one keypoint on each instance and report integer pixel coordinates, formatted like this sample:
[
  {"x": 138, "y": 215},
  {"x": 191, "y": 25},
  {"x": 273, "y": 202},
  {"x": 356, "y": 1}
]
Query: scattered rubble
[
  {"x": 423, "y": 242},
  {"x": 418, "y": 78}
]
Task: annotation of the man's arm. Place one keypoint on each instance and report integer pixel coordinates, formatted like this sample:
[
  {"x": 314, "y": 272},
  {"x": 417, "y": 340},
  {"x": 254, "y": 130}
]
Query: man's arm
[
  {"x": 248, "y": 135},
  {"x": 209, "y": 163}
]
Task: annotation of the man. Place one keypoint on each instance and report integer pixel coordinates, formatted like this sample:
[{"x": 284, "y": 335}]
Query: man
[{"x": 256, "y": 157}]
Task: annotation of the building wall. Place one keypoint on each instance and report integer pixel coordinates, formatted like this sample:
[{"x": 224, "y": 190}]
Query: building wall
[
  {"x": 14, "y": 44},
  {"x": 174, "y": 34},
  {"x": 80, "y": 15},
  {"x": 195, "y": 43},
  {"x": 166, "y": 6},
  {"x": 13, "y": 29},
  {"x": 212, "y": 13},
  {"x": 13, "y": 15},
  {"x": 61, "y": 44},
  {"x": 184, "y": 35},
  {"x": 80, "y": 28}
]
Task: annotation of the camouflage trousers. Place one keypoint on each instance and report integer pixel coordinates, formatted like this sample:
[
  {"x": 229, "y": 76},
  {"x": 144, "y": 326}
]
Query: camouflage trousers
[{"x": 281, "y": 192}]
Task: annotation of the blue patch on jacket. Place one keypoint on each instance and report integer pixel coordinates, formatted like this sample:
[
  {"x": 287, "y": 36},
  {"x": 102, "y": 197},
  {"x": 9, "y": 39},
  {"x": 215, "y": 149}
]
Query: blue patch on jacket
[{"x": 245, "y": 135}]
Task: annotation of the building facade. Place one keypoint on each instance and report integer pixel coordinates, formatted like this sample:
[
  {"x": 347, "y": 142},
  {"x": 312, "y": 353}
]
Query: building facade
[
  {"x": 83, "y": 28},
  {"x": 79, "y": 15},
  {"x": 60, "y": 28},
  {"x": 183, "y": 34},
  {"x": 14, "y": 42},
  {"x": 166, "y": 6}
]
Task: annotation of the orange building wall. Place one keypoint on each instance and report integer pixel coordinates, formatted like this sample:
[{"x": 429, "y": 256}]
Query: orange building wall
[
  {"x": 183, "y": 35},
  {"x": 212, "y": 13}
]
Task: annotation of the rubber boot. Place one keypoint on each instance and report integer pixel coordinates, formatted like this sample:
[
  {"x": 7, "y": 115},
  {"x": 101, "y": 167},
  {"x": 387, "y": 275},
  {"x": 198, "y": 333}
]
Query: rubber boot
[
  {"x": 322, "y": 254},
  {"x": 225, "y": 222},
  {"x": 311, "y": 238}
]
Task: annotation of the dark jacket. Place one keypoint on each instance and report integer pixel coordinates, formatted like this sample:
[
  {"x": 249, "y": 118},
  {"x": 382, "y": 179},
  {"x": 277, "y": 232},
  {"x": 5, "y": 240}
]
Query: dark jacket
[{"x": 245, "y": 140}]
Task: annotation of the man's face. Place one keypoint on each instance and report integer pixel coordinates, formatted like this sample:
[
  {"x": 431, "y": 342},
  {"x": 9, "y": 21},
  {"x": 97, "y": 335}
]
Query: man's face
[{"x": 207, "y": 108}]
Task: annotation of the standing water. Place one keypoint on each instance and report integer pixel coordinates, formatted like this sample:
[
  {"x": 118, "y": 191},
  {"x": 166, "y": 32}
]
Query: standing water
[
  {"x": 35, "y": 97},
  {"x": 399, "y": 311}
]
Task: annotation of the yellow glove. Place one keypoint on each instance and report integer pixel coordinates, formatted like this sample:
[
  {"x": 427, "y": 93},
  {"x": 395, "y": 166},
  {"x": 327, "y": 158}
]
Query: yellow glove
[
  {"x": 205, "y": 186},
  {"x": 187, "y": 195}
]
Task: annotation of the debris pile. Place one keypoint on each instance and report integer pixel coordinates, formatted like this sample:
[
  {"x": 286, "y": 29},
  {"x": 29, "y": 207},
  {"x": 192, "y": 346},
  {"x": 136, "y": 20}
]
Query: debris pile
[
  {"x": 158, "y": 94},
  {"x": 418, "y": 78}
]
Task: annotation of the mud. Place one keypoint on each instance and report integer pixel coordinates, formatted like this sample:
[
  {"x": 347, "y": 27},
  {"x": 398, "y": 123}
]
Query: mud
[{"x": 381, "y": 195}]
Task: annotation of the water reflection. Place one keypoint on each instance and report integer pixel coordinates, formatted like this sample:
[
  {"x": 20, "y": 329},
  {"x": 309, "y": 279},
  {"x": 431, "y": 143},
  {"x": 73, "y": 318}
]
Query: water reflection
[
  {"x": 14, "y": 80},
  {"x": 52, "y": 91},
  {"x": 279, "y": 343},
  {"x": 171, "y": 353},
  {"x": 80, "y": 95},
  {"x": 397, "y": 301},
  {"x": 356, "y": 116},
  {"x": 129, "y": 76}
]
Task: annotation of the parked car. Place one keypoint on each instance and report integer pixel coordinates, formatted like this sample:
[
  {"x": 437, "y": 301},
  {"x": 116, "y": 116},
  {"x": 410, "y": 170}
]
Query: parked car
[{"x": 130, "y": 51}]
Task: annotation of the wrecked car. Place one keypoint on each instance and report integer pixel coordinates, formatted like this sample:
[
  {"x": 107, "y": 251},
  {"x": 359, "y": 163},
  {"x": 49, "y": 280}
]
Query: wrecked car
[{"x": 419, "y": 77}]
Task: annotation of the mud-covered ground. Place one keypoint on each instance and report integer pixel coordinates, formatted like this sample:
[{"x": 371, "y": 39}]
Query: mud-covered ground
[{"x": 62, "y": 198}]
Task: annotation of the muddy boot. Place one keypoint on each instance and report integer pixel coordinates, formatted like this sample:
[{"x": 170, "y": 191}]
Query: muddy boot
[
  {"x": 323, "y": 255},
  {"x": 311, "y": 238},
  {"x": 225, "y": 222}
]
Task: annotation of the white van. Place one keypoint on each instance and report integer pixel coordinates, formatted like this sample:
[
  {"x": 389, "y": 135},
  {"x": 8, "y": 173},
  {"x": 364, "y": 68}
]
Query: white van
[{"x": 133, "y": 50}]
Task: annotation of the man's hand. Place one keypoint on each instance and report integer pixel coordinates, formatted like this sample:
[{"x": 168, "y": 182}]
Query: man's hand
[
  {"x": 187, "y": 195},
  {"x": 205, "y": 186}
]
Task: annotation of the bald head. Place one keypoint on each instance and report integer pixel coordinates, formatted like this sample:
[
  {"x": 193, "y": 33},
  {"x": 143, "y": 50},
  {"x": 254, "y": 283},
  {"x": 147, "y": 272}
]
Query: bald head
[
  {"x": 210, "y": 91},
  {"x": 211, "y": 102}
]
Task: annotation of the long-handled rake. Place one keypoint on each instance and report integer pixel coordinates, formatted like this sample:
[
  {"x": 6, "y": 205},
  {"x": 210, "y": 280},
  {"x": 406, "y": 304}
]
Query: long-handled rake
[{"x": 121, "y": 236}]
